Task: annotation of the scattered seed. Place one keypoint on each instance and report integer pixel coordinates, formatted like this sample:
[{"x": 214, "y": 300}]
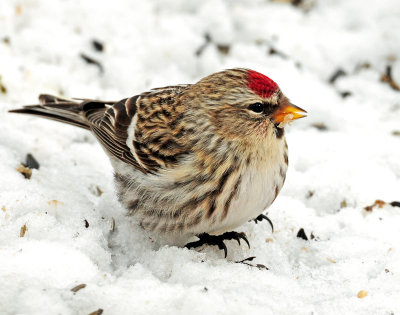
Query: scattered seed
[
  {"x": 205, "y": 289},
  {"x": 395, "y": 203},
  {"x": 298, "y": 65},
  {"x": 26, "y": 168},
  {"x": 18, "y": 10},
  {"x": 345, "y": 94},
  {"x": 387, "y": 77},
  {"x": 260, "y": 266},
  {"x": 336, "y": 75},
  {"x": 364, "y": 65},
  {"x": 31, "y": 162},
  {"x": 304, "y": 5},
  {"x": 3, "y": 89},
  {"x": 391, "y": 58},
  {"x": 246, "y": 260},
  {"x": 396, "y": 132},
  {"x": 310, "y": 194},
  {"x": 302, "y": 234},
  {"x": 362, "y": 294},
  {"x": 54, "y": 203},
  {"x": 23, "y": 230},
  {"x": 320, "y": 126},
  {"x": 313, "y": 237},
  {"x": 92, "y": 61},
  {"x": 223, "y": 49},
  {"x": 3, "y": 208},
  {"x": 387, "y": 270},
  {"x": 99, "y": 191},
  {"x": 97, "y": 45},
  {"x": 86, "y": 223},
  {"x": 296, "y": 3},
  {"x": 343, "y": 204},
  {"x": 96, "y": 190},
  {"x": 78, "y": 287},
  {"x": 378, "y": 203},
  {"x": 331, "y": 260},
  {"x": 251, "y": 258},
  {"x": 268, "y": 240},
  {"x": 273, "y": 51},
  {"x": 27, "y": 172},
  {"x": 112, "y": 225},
  {"x": 98, "y": 312},
  {"x": 6, "y": 40},
  {"x": 203, "y": 46}
]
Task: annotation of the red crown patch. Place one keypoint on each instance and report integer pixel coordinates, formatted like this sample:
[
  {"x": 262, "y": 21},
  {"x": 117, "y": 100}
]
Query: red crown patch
[{"x": 261, "y": 84}]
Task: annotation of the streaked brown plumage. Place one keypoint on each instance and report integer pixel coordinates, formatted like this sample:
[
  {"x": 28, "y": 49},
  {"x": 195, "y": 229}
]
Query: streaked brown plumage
[{"x": 190, "y": 159}]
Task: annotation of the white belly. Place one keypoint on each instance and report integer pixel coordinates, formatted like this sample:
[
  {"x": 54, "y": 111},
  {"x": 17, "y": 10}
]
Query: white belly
[{"x": 258, "y": 190}]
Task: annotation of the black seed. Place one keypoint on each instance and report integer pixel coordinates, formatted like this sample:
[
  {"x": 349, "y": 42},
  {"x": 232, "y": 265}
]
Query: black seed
[
  {"x": 302, "y": 234},
  {"x": 336, "y": 75},
  {"x": 296, "y": 3},
  {"x": 86, "y": 223},
  {"x": 395, "y": 203},
  {"x": 200, "y": 50},
  {"x": 31, "y": 162},
  {"x": 92, "y": 61},
  {"x": 97, "y": 45},
  {"x": 273, "y": 51},
  {"x": 345, "y": 94},
  {"x": 223, "y": 49},
  {"x": 320, "y": 126}
]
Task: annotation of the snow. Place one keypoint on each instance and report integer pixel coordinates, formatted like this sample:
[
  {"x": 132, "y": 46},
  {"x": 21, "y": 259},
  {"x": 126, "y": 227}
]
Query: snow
[{"x": 333, "y": 173}]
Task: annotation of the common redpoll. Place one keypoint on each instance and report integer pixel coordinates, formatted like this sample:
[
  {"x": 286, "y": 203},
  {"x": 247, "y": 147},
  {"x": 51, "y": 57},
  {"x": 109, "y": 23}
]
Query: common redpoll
[{"x": 191, "y": 160}]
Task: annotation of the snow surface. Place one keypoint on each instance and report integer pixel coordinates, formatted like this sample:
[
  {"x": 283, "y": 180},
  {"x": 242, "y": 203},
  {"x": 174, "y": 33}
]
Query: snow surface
[{"x": 333, "y": 173}]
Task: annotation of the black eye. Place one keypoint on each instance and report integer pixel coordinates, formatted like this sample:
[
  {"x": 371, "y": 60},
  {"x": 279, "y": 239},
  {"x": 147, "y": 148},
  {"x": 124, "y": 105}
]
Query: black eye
[{"x": 257, "y": 107}]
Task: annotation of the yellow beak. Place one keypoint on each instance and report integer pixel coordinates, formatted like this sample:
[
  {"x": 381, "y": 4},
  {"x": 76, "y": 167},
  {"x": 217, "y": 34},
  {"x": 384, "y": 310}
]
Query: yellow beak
[{"x": 288, "y": 112}]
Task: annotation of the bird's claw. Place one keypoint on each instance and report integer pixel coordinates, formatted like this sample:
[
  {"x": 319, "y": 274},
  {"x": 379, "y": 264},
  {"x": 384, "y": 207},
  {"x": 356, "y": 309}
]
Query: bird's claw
[
  {"x": 262, "y": 217},
  {"x": 218, "y": 240}
]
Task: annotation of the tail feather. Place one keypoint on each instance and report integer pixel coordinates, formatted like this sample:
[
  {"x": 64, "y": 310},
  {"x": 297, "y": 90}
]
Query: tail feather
[
  {"x": 50, "y": 99},
  {"x": 56, "y": 108}
]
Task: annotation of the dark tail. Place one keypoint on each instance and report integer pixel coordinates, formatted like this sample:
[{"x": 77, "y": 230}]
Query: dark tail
[{"x": 56, "y": 108}]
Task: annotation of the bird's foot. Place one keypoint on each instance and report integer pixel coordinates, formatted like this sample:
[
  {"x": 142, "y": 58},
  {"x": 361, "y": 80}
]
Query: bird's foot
[
  {"x": 218, "y": 240},
  {"x": 264, "y": 217}
]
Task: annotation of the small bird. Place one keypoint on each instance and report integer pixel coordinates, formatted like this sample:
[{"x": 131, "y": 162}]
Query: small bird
[{"x": 191, "y": 160}]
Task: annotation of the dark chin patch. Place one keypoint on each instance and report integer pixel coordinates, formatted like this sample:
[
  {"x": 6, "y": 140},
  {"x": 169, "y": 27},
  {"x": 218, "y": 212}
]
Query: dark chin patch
[{"x": 279, "y": 132}]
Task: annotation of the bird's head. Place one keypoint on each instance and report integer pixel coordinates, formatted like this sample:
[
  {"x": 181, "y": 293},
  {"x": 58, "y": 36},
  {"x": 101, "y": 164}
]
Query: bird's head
[{"x": 244, "y": 105}]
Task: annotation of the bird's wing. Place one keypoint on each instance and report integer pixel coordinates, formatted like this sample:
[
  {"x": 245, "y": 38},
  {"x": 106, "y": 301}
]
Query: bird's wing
[{"x": 143, "y": 130}]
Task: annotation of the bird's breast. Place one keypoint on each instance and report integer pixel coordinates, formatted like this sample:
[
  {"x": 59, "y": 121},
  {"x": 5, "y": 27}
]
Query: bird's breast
[{"x": 260, "y": 182}]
